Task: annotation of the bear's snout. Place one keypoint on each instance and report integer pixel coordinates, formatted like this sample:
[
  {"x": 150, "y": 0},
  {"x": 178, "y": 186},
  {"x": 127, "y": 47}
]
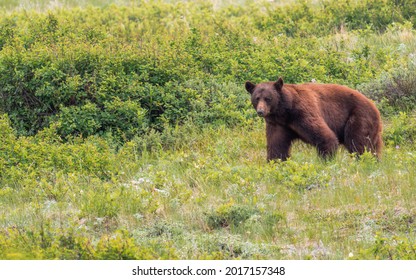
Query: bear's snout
[
  {"x": 260, "y": 113},
  {"x": 262, "y": 109}
]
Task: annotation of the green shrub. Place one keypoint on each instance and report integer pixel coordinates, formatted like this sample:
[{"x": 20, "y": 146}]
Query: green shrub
[
  {"x": 45, "y": 153},
  {"x": 48, "y": 243},
  {"x": 400, "y": 130},
  {"x": 229, "y": 215},
  {"x": 121, "y": 246},
  {"x": 224, "y": 246},
  {"x": 395, "y": 91},
  {"x": 390, "y": 248},
  {"x": 301, "y": 176},
  {"x": 155, "y": 64},
  {"x": 303, "y": 19},
  {"x": 123, "y": 119}
]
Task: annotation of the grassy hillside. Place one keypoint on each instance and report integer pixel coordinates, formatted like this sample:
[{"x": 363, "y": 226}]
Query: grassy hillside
[{"x": 126, "y": 132}]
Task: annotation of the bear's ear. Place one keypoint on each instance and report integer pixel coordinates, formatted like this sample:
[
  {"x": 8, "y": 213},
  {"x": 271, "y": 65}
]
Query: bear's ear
[
  {"x": 250, "y": 87},
  {"x": 279, "y": 84}
]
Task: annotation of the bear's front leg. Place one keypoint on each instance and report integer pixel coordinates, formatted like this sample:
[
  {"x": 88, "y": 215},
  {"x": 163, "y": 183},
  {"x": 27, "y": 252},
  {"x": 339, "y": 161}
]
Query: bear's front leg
[
  {"x": 317, "y": 133},
  {"x": 279, "y": 140}
]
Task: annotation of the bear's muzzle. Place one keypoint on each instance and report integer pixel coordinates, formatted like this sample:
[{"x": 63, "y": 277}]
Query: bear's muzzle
[{"x": 260, "y": 113}]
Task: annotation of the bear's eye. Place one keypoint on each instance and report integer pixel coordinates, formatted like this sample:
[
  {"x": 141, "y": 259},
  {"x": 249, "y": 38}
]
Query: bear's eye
[
  {"x": 257, "y": 98},
  {"x": 268, "y": 99}
]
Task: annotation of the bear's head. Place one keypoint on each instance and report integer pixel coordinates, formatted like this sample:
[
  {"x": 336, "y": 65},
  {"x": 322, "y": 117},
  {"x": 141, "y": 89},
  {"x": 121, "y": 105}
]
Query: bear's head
[{"x": 265, "y": 96}]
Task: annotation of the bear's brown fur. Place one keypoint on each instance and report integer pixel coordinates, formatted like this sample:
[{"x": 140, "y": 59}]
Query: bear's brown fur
[{"x": 324, "y": 115}]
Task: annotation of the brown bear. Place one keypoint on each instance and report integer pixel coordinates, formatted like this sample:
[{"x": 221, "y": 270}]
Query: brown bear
[{"x": 324, "y": 115}]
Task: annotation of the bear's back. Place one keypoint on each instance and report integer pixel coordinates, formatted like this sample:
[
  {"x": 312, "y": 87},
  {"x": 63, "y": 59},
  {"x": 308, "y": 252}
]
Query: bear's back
[
  {"x": 337, "y": 97},
  {"x": 334, "y": 103}
]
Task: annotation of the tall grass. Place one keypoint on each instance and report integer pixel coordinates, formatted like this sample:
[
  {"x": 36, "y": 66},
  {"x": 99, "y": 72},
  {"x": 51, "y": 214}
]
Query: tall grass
[{"x": 213, "y": 196}]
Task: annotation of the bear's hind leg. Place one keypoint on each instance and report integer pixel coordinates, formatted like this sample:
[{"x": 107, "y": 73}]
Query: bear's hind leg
[
  {"x": 360, "y": 137},
  {"x": 378, "y": 146}
]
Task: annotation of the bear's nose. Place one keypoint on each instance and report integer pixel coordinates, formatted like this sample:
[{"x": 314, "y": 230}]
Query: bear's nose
[{"x": 260, "y": 113}]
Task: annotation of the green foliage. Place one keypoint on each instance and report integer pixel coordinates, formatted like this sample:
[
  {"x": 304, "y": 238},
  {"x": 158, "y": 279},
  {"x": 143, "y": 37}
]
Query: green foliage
[
  {"x": 301, "y": 176},
  {"x": 122, "y": 78},
  {"x": 154, "y": 64},
  {"x": 401, "y": 130},
  {"x": 396, "y": 91},
  {"x": 46, "y": 154},
  {"x": 69, "y": 200},
  {"x": 54, "y": 244},
  {"x": 390, "y": 248},
  {"x": 229, "y": 215},
  {"x": 303, "y": 19},
  {"x": 126, "y": 132}
]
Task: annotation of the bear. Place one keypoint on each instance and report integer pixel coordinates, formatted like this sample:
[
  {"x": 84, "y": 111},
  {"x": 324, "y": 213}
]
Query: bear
[{"x": 323, "y": 115}]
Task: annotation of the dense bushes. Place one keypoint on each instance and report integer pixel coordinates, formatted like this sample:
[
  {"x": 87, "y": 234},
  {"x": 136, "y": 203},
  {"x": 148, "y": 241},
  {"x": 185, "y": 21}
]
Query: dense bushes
[
  {"x": 32, "y": 158},
  {"x": 123, "y": 71},
  {"x": 401, "y": 130},
  {"x": 122, "y": 76},
  {"x": 73, "y": 245},
  {"x": 394, "y": 91},
  {"x": 304, "y": 19}
]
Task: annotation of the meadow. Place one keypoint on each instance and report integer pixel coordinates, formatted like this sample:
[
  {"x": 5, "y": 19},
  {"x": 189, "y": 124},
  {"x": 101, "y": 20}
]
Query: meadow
[{"x": 126, "y": 131}]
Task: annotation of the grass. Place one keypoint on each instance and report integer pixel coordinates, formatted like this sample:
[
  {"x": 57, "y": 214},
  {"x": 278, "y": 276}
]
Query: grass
[
  {"x": 43, "y": 5},
  {"x": 212, "y": 195}
]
